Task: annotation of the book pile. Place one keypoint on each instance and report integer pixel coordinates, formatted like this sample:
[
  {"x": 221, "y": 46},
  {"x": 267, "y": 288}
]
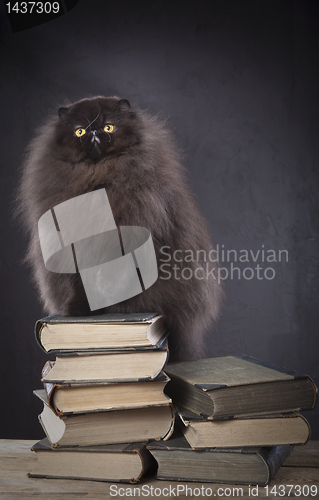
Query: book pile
[
  {"x": 103, "y": 396},
  {"x": 239, "y": 419}
]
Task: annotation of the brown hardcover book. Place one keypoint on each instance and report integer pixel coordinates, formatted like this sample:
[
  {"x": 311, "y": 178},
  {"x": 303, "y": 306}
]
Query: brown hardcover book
[
  {"x": 233, "y": 386},
  {"x": 58, "y": 333},
  {"x": 267, "y": 430},
  {"x": 96, "y": 428},
  {"x": 66, "y": 399},
  {"x": 126, "y": 366},
  {"x": 125, "y": 463},
  {"x": 178, "y": 462}
]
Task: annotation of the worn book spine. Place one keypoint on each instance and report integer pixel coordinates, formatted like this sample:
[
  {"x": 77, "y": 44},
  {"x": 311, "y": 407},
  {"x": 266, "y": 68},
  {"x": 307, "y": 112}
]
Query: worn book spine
[
  {"x": 38, "y": 327},
  {"x": 274, "y": 457}
]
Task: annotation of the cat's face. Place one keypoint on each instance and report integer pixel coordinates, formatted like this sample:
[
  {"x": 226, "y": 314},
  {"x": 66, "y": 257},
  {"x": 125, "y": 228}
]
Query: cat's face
[{"x": 93, "y": 129}]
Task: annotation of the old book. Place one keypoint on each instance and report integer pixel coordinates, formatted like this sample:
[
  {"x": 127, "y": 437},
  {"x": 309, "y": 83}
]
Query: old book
[
  {"x": 96, "y": 428},
  {"x": 106, "y": 331},
  {"x": 178, "y": 462},
  {"x": 267, "y": 430},
  {"x": 66, "y": 399},
  {"x": 230, "y": 386},
  {"x": 114, "y": 462},
  {"x": 79, "y": 368}
]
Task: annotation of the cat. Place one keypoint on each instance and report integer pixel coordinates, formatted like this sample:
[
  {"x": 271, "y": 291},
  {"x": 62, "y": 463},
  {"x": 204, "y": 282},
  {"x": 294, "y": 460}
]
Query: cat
[{"x": 105, "y": 142}]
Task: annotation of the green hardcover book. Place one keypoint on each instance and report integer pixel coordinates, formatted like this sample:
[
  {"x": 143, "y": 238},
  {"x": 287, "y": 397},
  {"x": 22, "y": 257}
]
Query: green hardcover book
[
  {"x": 125, "y": 463},
  {"x": 233, "y": 386},
  {"x": 56, "y": 333},
  {"x": 106, "y": 427},
  {"x": 178, "y": 462}
]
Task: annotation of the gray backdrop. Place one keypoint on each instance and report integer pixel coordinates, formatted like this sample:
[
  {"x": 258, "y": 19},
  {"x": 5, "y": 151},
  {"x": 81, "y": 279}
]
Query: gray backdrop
[{"x": 238, "y": 83}]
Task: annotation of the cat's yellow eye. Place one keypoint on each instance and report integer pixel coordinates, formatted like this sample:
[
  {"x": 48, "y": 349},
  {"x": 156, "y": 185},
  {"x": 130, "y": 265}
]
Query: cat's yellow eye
[
  {"x": 108, "y": 128},
  {"x": 80, "y": 131}
]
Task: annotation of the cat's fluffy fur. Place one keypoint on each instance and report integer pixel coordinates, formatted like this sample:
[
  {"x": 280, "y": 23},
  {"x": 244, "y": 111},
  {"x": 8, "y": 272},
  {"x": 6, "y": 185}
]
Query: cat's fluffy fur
[{"x": 140, "y": 169}]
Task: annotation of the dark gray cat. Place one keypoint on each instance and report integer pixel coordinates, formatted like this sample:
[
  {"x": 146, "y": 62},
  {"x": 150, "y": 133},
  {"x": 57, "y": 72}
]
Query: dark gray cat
[{"x": 105, "y": 143}]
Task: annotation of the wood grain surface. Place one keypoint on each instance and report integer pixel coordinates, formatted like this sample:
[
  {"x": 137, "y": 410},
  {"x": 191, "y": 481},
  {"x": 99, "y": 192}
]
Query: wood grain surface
[{"x": 16, "y": 459}]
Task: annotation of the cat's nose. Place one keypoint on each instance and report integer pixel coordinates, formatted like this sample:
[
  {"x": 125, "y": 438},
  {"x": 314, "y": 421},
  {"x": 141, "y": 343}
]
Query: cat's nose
[{"x": 95, "y": 137}]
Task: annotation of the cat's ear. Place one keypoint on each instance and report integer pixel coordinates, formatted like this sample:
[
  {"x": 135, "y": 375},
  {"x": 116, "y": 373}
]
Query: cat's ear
[
  {"x": 124, "y": 104},
  {"x": 62, "y": 112}
]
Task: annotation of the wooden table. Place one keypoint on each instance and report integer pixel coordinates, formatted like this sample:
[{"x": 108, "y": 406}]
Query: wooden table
[{"x": 16, "y": 458}]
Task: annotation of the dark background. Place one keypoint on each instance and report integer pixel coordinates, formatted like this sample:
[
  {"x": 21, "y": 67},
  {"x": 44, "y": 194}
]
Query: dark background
[{"x": 238, "y": 83}]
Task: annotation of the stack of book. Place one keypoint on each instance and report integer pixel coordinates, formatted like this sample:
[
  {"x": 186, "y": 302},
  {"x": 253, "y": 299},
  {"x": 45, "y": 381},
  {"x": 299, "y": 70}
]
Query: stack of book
[
  {"x": 239, "y": 419},
  {"x": 105, "y": 388}
]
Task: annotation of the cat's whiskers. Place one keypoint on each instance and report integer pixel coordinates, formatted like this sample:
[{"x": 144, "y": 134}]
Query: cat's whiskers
[
  {"x": 93, "y": 120},
  {"x": 82, "y": 143},
  {"x": 110, "y": 138}
]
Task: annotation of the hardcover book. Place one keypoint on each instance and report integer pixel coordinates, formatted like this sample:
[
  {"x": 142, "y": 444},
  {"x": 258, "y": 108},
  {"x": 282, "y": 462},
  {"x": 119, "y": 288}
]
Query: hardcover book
[
  {"x": 233, "y": 386},
  {"x": 124, "y": 463},
  {"x": 96, "y": 428},
  {"x": 58, "y": 333},
  {"x": 66, "y": 399},
  {"x": 178, "y": 462},
  {"x": 266, "y": 430},
  {"x": 125, "y": 366}
]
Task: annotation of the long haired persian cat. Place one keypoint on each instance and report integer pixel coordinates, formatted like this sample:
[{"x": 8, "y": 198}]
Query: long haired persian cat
[{"x": 107, "y": 143}]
